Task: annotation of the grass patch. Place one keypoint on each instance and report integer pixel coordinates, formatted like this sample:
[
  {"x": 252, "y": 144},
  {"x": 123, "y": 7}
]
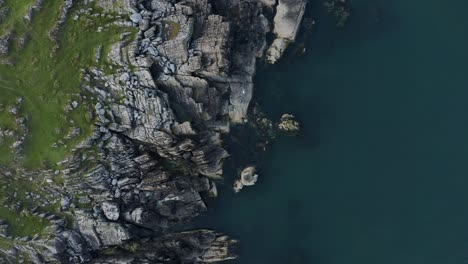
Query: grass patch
[
  {"x": 170, "y": 29},
  {"x": 15, "y": 18},
  {"x": 19, "y": 195},
  {"x": 21, "y": 225}
]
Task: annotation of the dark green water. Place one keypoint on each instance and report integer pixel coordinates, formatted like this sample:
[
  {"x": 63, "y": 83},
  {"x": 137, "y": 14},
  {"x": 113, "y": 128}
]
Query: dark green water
[{"x": 380, "y": 172}]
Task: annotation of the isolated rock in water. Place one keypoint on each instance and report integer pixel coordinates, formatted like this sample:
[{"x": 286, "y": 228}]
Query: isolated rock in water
[
  {"x": 111, "y": 210},
  {"x": 237, "y": 186},
  {"x": 247, "y": 178},
  {"x": 288, "y": 124}
]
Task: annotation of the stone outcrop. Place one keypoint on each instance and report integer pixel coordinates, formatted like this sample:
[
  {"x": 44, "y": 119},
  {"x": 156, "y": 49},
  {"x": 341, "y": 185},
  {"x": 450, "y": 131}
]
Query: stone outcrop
[
  {"x": 287, "y": 20},
  {"x": 53, "y": 33}
]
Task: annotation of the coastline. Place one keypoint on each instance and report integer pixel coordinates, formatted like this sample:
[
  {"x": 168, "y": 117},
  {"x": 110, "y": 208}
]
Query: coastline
[{"x": 160, "y": 112}]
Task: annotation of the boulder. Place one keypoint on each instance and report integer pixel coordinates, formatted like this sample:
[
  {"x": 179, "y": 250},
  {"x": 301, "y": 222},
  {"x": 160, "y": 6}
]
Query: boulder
[{"x": 111, "y": 210}]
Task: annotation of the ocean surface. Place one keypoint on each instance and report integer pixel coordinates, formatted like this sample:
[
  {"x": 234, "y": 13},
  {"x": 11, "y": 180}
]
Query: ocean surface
[{"x": 379, "y": 173}]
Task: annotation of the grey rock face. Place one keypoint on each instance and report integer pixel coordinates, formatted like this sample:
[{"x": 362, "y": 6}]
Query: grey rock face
[
  {"x": 198, "y": 246},
  {"x": 99, "y": 233},
  {"x": 288, "y": 17},
  {"x": 136, "y": 18}
]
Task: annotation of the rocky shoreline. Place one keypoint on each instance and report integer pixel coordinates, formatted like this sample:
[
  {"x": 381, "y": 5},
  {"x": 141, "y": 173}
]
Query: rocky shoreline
[{"x": 157, "y": 149}]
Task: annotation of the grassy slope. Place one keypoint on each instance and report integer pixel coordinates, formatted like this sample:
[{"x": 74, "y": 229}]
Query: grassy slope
[{"x": 48, "y": 79}]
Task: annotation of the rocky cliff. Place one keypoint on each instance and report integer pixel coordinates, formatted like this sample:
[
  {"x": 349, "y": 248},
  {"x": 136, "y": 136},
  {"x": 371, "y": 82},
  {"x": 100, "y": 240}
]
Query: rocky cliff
[{"x": 161, "y": 113}]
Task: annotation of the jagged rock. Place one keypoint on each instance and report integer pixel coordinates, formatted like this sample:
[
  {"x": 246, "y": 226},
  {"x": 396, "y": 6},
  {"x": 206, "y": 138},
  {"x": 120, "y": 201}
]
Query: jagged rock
[
  {"x": 198, "y": 246},
  {"x": 183, "y": 129},
  {"x": 99, "y": 233}
]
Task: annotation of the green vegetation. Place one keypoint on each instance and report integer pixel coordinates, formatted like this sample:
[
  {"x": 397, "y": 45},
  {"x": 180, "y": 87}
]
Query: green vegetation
[
  {"x": 23, "y": 225},
  {"x": 42, "y": 82},
  {"x": 170, "y": 29},
  {"x": 14, "y": 198},
  {"x": 14, "y": 20},
  {"x": 48, "y": 76},
  {"x": 133, "y": 247}
]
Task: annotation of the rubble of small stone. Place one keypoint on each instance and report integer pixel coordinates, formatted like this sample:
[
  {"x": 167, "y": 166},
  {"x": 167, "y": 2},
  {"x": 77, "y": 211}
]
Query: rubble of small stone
[{"x": 156, "y": 150}]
